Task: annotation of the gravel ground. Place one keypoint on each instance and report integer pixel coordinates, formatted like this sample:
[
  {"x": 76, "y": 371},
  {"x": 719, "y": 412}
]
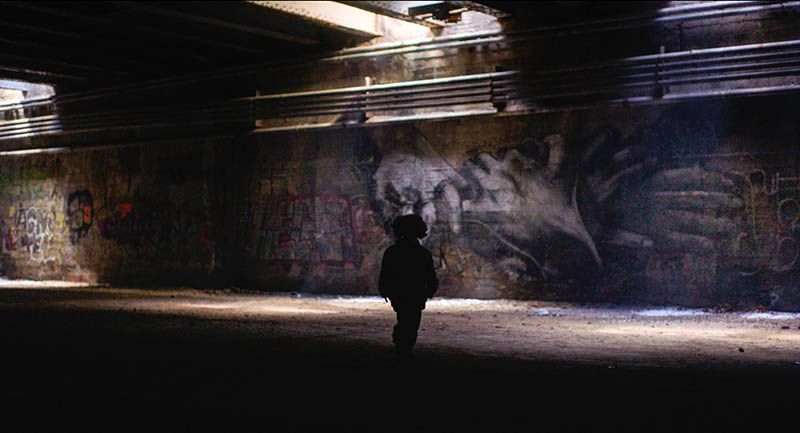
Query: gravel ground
[
  {"x": 290, "y": 361},
  {"x": 658, "y": 336}
]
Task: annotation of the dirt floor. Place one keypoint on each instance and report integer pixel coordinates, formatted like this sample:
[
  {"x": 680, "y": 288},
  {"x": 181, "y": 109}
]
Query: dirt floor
[{"x": 91, "y": 358}]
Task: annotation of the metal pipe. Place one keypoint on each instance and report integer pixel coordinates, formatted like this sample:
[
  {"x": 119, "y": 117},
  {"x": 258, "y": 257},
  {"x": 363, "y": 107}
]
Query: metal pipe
[
  {"x": 583, "y": 81},
  {"x": 240, "y": 112},
  {"x": 659, "y": 58},
  {"x": 245, "y": 111},
  {"x": 440, "y": 92},
  {"x": 387, "y": 107},
  {"x": 363, "y": 103},
  {"x": 469, "y": 85},
  {"x": 94, "y": 118},
  {"x": 128, "y": 116},
  {"x": 100, "y": 124},
  {"x": 372, "y": 97},
  {"x": 224, "y": 107},
  {"x": 134, "y": 126},
  {"x": 734, "y": 92},
  {"x": 378, "y": 87},
  {"x": 454, "y": 99},
  {"x": 659, "y": 67},
  {"x": 705, "y": 5},
  {"x": 659, "y": 83}
]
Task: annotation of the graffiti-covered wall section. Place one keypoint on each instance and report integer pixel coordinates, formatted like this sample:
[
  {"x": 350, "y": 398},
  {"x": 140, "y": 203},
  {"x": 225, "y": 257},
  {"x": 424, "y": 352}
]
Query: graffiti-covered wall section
[
  {"x": 693, "y": 204},
  {"x": 308, "y": 222},
  {"x": 128, "y": 215},
  {"x": 689, "y": 204}
]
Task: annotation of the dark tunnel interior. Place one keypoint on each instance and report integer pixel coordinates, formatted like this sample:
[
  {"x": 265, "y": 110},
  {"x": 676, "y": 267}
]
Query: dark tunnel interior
[{"x": 199, "y": 206}]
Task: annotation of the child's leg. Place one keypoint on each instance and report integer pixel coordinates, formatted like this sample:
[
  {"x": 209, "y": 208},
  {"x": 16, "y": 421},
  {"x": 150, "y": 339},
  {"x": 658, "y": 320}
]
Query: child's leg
[{"x": 405, "y": 331}]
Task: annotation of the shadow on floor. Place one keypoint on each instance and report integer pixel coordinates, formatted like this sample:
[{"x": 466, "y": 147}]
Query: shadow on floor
[{"x": 115, "y": 371}]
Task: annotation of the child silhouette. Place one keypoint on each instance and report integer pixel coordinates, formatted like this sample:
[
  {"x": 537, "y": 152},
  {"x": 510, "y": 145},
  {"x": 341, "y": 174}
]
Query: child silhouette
[{"x": 408, "y": 279}]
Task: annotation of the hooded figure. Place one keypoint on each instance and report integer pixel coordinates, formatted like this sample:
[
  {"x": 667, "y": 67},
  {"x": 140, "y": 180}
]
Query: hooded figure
[{"x": 408, "y": 279}]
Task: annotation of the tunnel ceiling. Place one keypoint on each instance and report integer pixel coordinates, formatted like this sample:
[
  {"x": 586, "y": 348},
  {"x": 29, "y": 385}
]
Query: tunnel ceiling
[
  {"x": 152, "y": 70},
  {"x": 83, "y": 44}
]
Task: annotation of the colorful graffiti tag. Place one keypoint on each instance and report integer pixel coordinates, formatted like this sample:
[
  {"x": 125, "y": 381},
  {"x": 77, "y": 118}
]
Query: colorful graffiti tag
[
  {"x": 321, "y": 228},
  {"x": 135, "y": 223},
  {"x": 80, "y": 214}
]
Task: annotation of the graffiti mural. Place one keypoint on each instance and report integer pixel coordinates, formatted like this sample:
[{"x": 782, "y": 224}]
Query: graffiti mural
[
  {"x": 144, "y": 223},
  {"x": 769, "y": 239},
  {"x": 321, "y": 228},
  {"x": 80, "y": 214},
  {"x": 34, "y": 229},
  {"x": 624, "y": 214},
  {"x": 102, "y": 215}
]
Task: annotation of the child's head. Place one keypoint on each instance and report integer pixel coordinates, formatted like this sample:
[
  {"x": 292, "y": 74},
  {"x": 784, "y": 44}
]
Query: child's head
[{"x": 409, "y": 227}]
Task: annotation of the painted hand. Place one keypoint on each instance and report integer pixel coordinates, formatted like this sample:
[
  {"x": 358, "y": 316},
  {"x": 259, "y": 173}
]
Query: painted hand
[
  {"x": 689, "y": 210},
  {"x": 677, "y": 210},
  {"x": 525, "y": 198},
  {"x": 418, "y": 181}
]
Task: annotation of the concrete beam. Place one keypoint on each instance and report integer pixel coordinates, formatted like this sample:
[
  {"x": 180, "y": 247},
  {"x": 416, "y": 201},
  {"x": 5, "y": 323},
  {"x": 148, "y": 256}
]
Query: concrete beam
[{"x": 329, "y": 14}]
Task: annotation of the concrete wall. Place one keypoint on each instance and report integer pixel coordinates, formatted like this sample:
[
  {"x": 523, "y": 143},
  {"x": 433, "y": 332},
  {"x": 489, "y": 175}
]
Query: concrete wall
[
  {"x": 693, "y": 204},
  {"x": 129, "y": 215}
]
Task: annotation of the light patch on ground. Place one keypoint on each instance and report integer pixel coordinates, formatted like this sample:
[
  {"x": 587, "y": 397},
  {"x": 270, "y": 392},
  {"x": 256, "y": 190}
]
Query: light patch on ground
[
  {"x": 358, "y": 300},
  {"x": 670, "y": 312},
  {"x": 524, "y": 329},
  {"x": 545, "y": 312},
  {"x": 460, "y": 302},
  {"x": 679, "y": 332},
  {"x": 771, "y": 315},
  {"x": 263, "y": 307},
  {"x": 273, "y": 309}
]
